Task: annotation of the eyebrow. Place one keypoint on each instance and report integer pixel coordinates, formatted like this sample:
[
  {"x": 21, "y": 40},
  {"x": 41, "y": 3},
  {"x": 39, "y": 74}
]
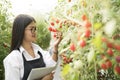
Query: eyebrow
[{"x": 32, "y": 26}]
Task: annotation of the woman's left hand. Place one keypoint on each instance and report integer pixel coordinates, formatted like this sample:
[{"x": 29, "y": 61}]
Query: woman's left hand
[
  {"x": 48, "y": 77},
  {"x": 58, "y": 39},
  {"x": 55, "y": 45}
]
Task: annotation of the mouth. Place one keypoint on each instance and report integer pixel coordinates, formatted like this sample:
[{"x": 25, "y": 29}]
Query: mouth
[{"x": 34, "y": 35}]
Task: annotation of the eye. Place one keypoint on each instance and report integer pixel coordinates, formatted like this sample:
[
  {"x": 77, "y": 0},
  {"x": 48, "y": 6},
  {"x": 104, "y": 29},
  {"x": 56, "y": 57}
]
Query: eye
[{"x": 33, "y": 29}]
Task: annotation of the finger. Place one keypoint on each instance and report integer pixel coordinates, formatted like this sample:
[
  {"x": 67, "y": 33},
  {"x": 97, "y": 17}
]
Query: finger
[
  {"x": 58, "y": 35},
  {"x": 53, "y": 72},
  {"x": 51, "y": 76}
]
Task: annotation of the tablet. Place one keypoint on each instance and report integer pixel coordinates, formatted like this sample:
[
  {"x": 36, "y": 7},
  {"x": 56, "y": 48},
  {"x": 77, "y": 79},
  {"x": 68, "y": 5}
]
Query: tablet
[{"x": 37, "y": 73}]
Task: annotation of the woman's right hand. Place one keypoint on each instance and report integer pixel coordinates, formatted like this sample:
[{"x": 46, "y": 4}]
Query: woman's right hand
[{"x": 48, "y": 77}]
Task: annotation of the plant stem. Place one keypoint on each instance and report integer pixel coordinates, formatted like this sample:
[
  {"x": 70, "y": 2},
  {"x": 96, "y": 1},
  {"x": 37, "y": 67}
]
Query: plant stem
[{"x": 95, "y": 69}]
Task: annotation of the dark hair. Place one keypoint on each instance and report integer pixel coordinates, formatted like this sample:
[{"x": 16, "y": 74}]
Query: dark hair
[{"x": 19, "y": 25}]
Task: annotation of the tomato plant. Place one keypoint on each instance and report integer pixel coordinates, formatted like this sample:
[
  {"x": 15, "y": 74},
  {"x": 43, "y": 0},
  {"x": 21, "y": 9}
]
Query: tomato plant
[{"x": 90, "y": 30}]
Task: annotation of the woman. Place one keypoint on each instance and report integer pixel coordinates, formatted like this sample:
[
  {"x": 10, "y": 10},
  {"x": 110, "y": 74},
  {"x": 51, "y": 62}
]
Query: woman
[{"x": 25, "y": 54}]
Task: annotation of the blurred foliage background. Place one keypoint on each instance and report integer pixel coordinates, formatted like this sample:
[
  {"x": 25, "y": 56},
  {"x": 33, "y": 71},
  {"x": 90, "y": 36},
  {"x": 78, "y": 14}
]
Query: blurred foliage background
[
  {"x": 43, "y": 35},
  {"x": 5, "y": 33}
]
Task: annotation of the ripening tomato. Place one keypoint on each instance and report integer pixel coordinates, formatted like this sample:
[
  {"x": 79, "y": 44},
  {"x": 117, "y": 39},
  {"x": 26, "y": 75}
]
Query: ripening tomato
[
  {"x": 109, "y": 44},
  {"x": 87, "y": 24},
  {"x": 87, "y": 33},
  {"x": 84, "y": 17},
  {"x": 110, "y": 52},
  {"x": 108, "y": 64},
  {"x": 117, "y": 69},
  {"x": 82, "y": 43},
  {"x": 52, "y": 23},
  {"x": 118, "y": 59},
  {"x": 104, "y": 66},
  {"x": 57, "y": 21},
  {"x": 72, "y": 47},
  {"x": 54, "y": 35},
  {"x": 50, "y": 28},
  {"x": 104, "y": 39},
  {"x": 54, "y": 30},
  {"x": 65, "y": 58},
  {"x": 117, "y": 47}
]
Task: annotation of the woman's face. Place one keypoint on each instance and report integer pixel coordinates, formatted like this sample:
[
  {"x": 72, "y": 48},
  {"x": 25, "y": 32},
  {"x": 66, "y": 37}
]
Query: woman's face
[{"x": 30, "y": 32}]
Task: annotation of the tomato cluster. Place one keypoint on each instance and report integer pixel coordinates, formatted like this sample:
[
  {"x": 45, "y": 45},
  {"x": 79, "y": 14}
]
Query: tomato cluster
[{"x": 66, "y": 59}]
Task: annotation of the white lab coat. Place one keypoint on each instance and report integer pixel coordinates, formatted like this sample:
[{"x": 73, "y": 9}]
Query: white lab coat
[{"x": 14, "y": 65}]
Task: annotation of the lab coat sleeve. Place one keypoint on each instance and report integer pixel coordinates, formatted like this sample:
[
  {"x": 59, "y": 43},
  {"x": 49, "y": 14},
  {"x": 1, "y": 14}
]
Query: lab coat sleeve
[
  {"x": 48, "y": 59},
  {"x": 12, "y": 71}
]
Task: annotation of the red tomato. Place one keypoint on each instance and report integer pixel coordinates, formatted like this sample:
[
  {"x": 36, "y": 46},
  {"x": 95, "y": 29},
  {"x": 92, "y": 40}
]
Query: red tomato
[
  {"x": 117, "y": 47},
  {"x": 57, "y": 21},
  {"x": 109, "y": 44},
  {"x": 54, "y": 30},
  {"x": 118, "y": 59},
  {"x": 104, "y": 39},
  {"x": 87, "y": 33},
  {"x": 117, "y": 69},
  {"x": 50, "y": 28},
  {"x": 54, "y": 35},
  {"x": 72, "y": 47},
  {"x": 87, "y": 24},
  {"x": 104, "y": 66},
  {"x": 52, "y": 23},
  {"x": 65, "y": 58},
  {"x": 82, "y": 43},
  {"x": 110, "y": 52},
  {"x": 108, "y": 64}
]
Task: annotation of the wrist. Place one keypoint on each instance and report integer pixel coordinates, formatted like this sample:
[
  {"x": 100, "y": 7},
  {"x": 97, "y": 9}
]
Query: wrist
[{"x": 55, "y": 50}]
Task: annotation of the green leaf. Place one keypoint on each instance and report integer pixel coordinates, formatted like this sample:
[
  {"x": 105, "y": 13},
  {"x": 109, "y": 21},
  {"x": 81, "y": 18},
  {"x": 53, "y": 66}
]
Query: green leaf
[{"x": 75, "y": 76}]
